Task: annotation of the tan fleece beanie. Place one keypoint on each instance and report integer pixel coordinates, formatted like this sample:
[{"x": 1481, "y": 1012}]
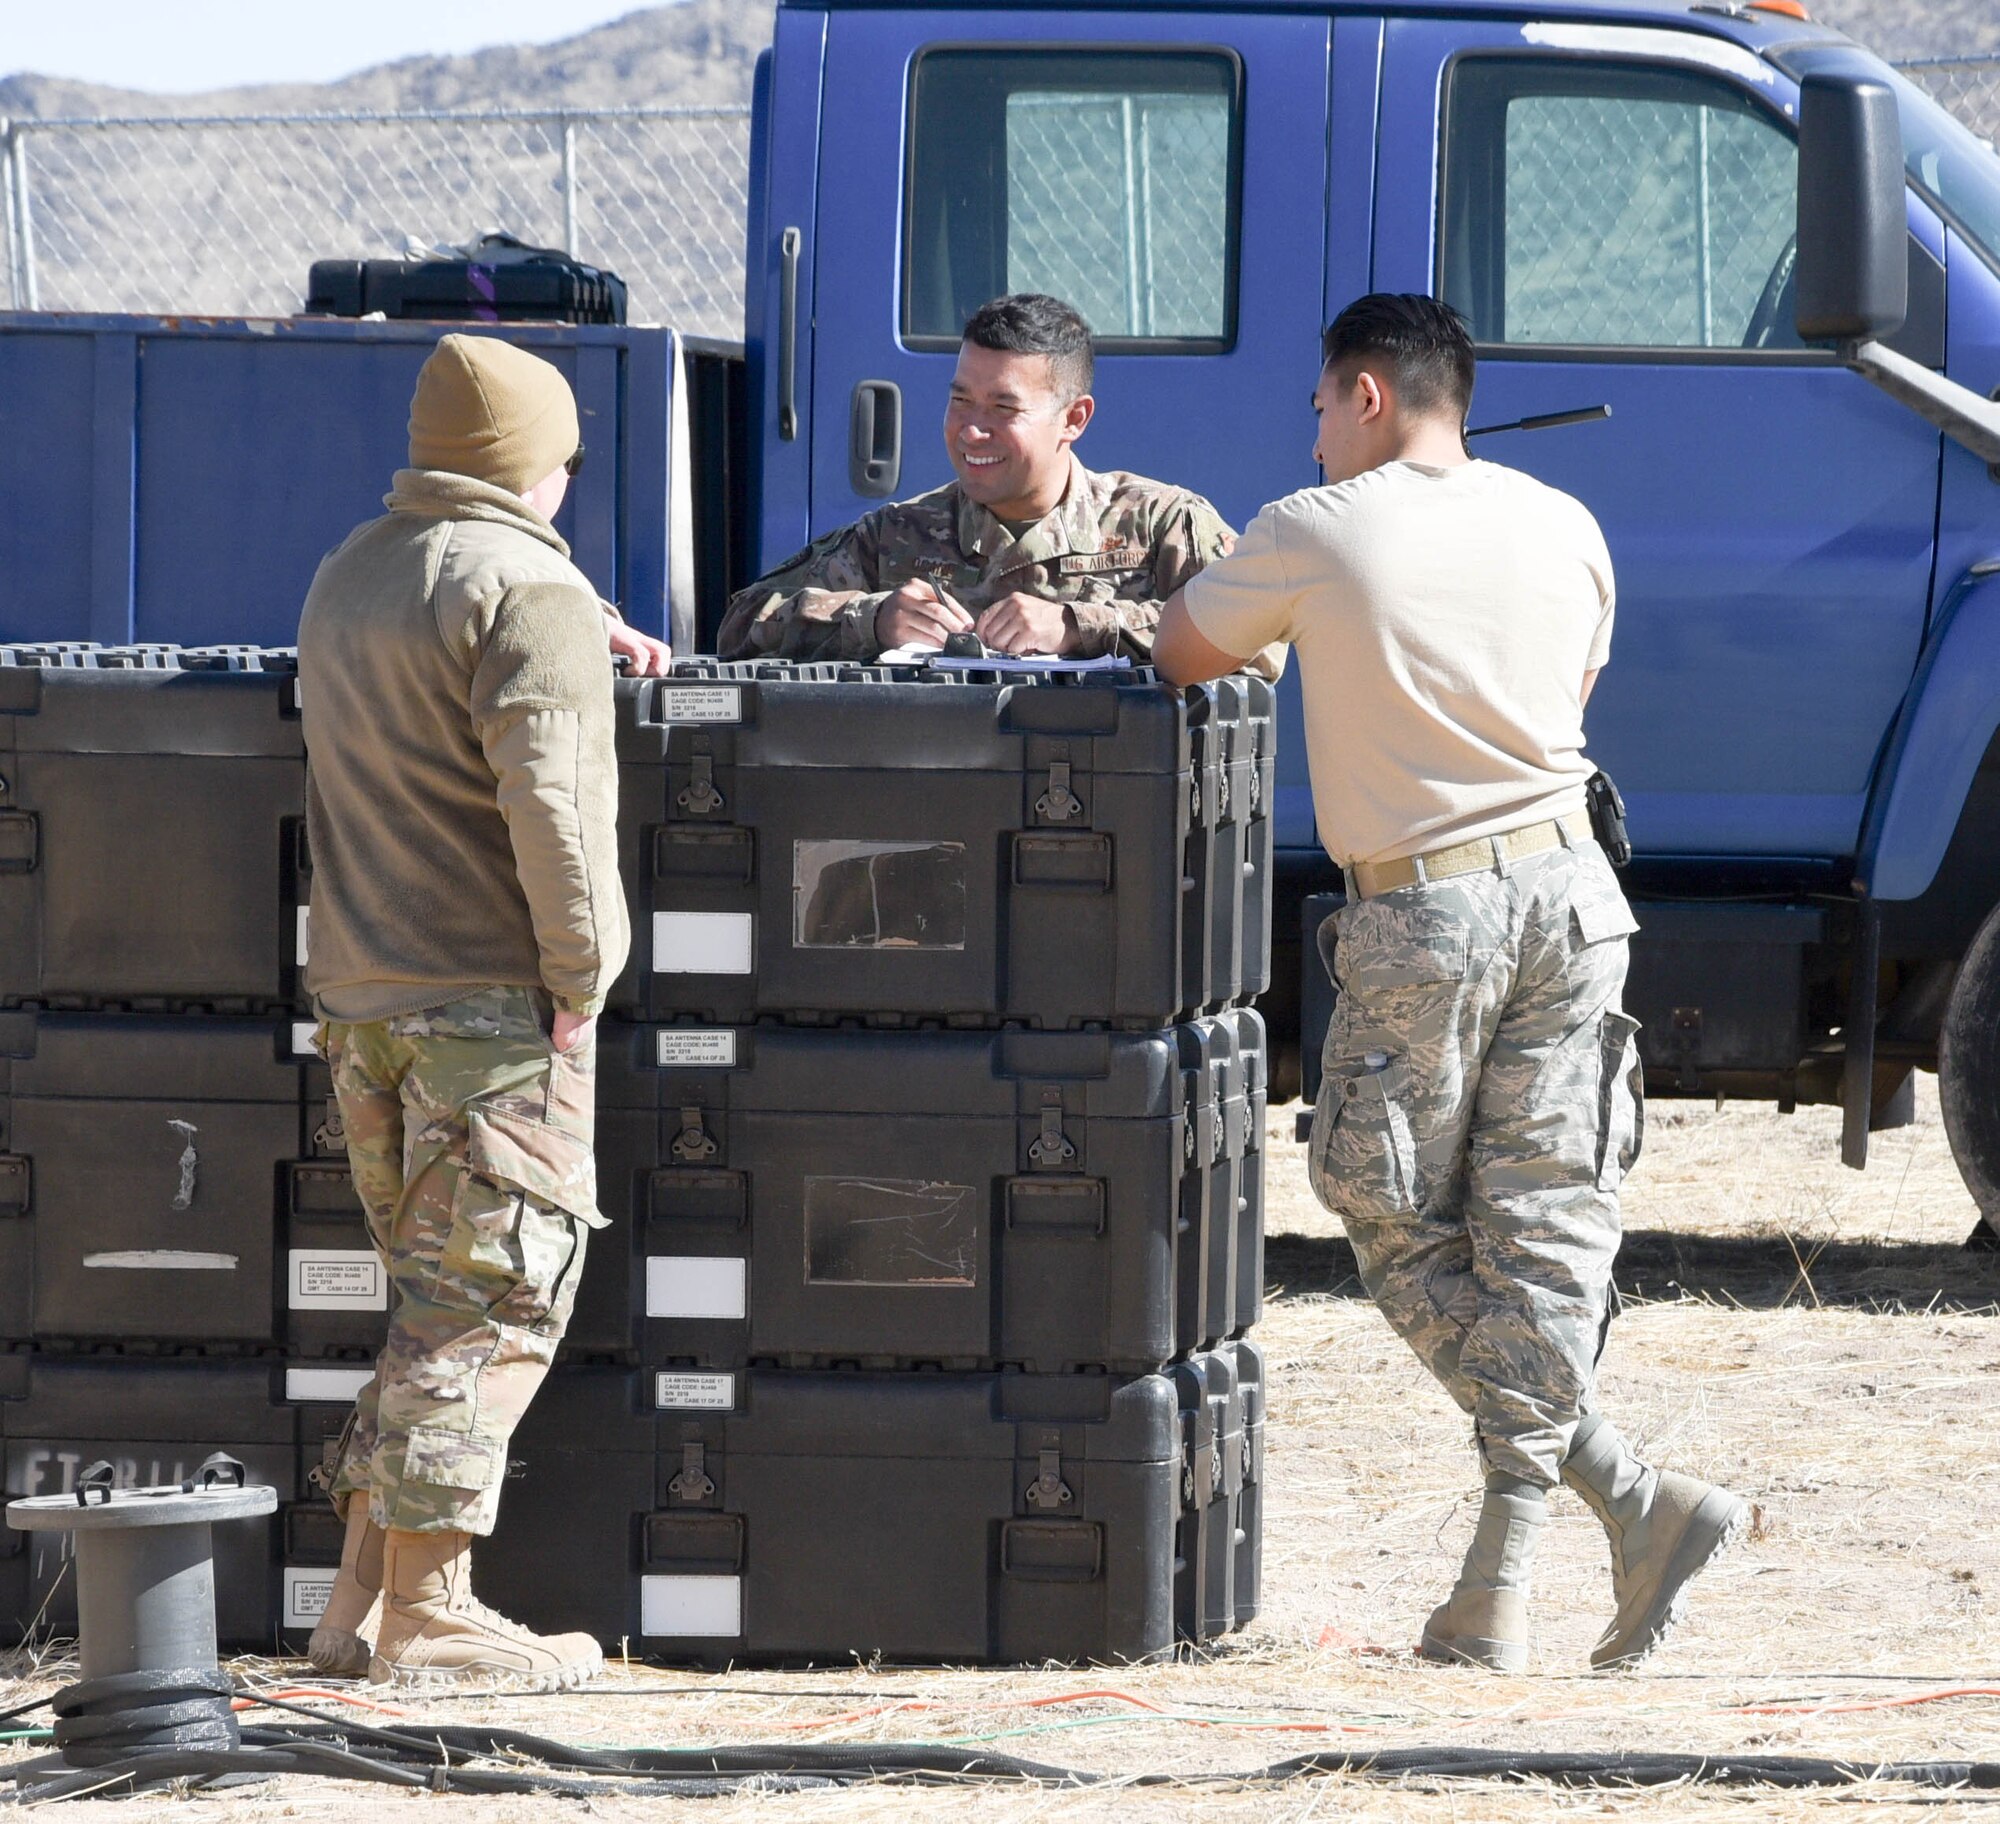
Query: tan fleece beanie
[{"x": 487, "y": 409}]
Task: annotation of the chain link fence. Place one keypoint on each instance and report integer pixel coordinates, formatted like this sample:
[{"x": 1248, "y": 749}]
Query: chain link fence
[
  {"x": 1120, "y": 203},
  {"x": 1968, "y": 86},
  {"x": 224, "y": 216}
]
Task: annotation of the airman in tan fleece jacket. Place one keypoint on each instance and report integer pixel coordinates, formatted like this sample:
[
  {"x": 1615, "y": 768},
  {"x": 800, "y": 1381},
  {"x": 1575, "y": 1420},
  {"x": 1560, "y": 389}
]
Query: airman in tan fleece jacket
[{"x": 466, "y": 923}]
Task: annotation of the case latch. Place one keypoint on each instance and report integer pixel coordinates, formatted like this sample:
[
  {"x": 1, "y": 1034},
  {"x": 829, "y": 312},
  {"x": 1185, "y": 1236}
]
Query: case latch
[
  {"x": 694, "y": 1143},
  {"x": 694, "y": 1483},
  {"x": 699, "y": 797},
  {"x": 1052, "y": 1148},
  {"x": 1048, "y": 1492},
  {"x": 330, "y": 1137},
  {"x": 1058, "y": 804}
]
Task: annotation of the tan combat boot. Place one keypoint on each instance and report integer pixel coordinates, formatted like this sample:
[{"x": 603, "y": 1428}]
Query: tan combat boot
[
  {"x": 436, "y": 1634},
  {"x": 1484, "y": 1622},
  {"x": 339, "y": 1644},
  {"x": 1664, "y": 1529}
]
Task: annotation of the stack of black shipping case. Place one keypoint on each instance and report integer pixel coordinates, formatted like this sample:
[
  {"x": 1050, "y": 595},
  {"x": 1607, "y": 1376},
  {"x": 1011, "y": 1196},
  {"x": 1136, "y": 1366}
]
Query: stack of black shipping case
[{"x": 930, "y": 1130}]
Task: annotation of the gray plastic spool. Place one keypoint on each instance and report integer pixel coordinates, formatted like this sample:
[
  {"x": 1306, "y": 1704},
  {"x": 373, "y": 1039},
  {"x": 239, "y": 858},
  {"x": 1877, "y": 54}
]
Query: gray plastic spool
[{"x": 145, "y": 1570}]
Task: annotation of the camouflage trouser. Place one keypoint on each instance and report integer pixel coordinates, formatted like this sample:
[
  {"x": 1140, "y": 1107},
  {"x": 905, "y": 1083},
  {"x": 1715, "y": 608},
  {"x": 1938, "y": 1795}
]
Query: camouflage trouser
[
  {"x": 1480, "y": 1104},
  {"x": 470, "y": 1139}
]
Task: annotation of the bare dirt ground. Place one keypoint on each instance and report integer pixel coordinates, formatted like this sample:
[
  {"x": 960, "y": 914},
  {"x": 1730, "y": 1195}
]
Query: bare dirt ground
[{"x": 1814, "y": 1337}]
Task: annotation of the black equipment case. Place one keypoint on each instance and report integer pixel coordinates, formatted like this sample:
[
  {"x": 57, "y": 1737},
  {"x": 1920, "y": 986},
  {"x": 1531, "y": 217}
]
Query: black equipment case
[
  {"x": 175, "y": 1182},
  {"x": 148, "y": 808},
  {"x": 891, "y": 843},
  {"x": 548, "y": 288},
  {"x": 1031, "y": 1200},
  {"x": 1006, "y": 1518}
]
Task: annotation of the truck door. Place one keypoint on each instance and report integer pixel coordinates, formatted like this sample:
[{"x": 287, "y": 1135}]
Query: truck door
[
  {"x": 1164, "y": 173},
  {"x": 1613, "y": 208}
]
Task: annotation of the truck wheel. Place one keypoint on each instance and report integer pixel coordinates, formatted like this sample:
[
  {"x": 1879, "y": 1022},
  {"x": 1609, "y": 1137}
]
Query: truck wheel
[{"x": 1969, "y": 1069}]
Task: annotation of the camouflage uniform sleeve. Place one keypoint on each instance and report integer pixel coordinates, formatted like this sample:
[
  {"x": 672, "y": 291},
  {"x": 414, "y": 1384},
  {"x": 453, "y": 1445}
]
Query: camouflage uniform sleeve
[
  {"x": 1187, "y": 535},
  {"x": 819, "y": 604},
  {"x": 1188, "y": 538},
  {"x": 1193, "y": 537}
]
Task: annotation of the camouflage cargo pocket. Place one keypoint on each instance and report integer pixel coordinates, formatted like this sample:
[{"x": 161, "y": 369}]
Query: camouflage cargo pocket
[
  {"x": 443, "y": 1458},
  {"x": 514, "y": 1250},
  {"x": 554, "y": 1163},
  {"x": 1621, "y": 1099},
  {"x": 1363, "y": 1154}
]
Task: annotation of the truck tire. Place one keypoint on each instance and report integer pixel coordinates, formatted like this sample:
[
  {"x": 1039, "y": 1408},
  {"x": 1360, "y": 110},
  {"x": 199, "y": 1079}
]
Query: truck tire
[{"x": 1969, "y": 1069}]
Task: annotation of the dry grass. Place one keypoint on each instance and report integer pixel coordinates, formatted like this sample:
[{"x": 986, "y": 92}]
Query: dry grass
[{"x": 1814, "y": 1337}]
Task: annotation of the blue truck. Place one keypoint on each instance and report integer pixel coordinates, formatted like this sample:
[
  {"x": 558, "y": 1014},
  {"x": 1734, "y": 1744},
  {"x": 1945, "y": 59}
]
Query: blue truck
[{"x": 1774, "y": 259}]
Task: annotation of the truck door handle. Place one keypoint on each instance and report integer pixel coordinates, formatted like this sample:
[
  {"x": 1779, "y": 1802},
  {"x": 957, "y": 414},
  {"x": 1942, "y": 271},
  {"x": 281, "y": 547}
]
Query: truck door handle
[
  {"x": 875, "y": 438},
  {"x": 788, "y": 334}
]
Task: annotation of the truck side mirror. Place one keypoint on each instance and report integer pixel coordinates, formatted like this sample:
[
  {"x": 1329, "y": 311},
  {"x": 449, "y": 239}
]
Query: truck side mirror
[{"x": 1853, "y": 265}]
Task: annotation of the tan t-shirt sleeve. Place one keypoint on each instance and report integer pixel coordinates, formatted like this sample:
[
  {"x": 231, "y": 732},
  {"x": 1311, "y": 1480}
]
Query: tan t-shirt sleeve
[
  {"x": 1597, "y": 560},
  {"x": 1246, "y": 601}
]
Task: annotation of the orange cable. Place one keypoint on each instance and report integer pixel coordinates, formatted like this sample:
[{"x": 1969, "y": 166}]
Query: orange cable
[
  {"x": 1871, "y": 1703},
  {"x": 331, "y": 1697}
]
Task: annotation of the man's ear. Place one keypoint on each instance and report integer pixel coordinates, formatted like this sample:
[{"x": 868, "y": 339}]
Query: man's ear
[
  {"x": 1076, "y": 415},
  {"x": 1373, "y": 399}
]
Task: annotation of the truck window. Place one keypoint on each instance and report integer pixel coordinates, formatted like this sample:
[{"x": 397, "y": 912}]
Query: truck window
[
  {"x": 1107, "y": 178},
  {"x": 1601, "y": 205}
]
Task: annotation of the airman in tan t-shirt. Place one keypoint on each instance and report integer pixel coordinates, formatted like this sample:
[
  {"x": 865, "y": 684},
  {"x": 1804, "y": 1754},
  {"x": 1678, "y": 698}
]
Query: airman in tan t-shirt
[{"x": 1479, "y": 1087}]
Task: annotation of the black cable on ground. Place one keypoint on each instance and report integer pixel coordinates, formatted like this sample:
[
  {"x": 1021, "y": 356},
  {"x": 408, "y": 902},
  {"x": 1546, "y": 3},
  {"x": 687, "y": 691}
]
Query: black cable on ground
[
  {"x": 109, "y": 1719},
  {"x": 1793, "y": 1771},
  {"x": 435, "y": 1760}
]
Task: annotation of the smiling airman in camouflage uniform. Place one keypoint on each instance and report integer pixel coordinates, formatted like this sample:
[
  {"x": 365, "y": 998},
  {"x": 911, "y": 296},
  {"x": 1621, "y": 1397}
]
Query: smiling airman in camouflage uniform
[{"x": 1026, "y": 547}]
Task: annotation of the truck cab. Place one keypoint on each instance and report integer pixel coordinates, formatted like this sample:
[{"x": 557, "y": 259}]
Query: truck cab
[{"x": 1805, "y": 682}]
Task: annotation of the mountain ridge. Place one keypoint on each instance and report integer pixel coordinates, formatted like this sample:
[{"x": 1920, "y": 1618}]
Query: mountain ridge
[{"x": 702, "y": 53}]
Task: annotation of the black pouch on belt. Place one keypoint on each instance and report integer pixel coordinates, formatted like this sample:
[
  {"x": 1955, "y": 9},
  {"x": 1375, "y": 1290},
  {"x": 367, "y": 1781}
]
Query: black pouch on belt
[{"x": 1607, "y": 818}]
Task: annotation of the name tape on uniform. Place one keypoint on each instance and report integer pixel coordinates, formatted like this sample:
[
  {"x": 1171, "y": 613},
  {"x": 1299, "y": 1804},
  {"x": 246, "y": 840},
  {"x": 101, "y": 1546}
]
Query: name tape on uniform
[
  {"x": 676, "y": 1049},
  {"x": 677, "y": 1390},
  {"x": 699, "y": 703},
  {"x": 337, "y": 1279}
]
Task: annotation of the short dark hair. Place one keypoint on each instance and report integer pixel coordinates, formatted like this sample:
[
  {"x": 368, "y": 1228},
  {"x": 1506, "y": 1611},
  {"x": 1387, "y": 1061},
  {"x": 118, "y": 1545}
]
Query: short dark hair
[
  {"x": 1423, "y": 339},
  {"x": 1033, "y": 323}
]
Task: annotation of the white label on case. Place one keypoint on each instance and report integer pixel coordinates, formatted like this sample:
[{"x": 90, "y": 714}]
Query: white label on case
[
  {"x": 304, "y": 944},
  {"x": 686, "y": 1608},
  {"x": 337, "y": 1279},
  {"x": 325, "y": 1386},
  {"x": 697, "y": 1285},
  {"x": 302, "y": 1038},
  {"x": 675, "y": 1390},
  {"x": 307, "y": 1588},
  {"x": 702, "y": 943},
  {"x": 700, "y": 703},
  {"x": 711, "y": 1045},
  {"x": 163, "y": 1260}
]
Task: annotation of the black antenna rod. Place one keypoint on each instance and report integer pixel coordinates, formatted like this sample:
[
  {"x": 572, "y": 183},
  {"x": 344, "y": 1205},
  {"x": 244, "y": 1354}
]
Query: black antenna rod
[{"x": 1546, "y": 421}]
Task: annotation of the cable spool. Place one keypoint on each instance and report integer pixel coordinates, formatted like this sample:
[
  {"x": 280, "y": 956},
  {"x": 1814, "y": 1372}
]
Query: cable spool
[{"x": 145, "y": 1596}]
